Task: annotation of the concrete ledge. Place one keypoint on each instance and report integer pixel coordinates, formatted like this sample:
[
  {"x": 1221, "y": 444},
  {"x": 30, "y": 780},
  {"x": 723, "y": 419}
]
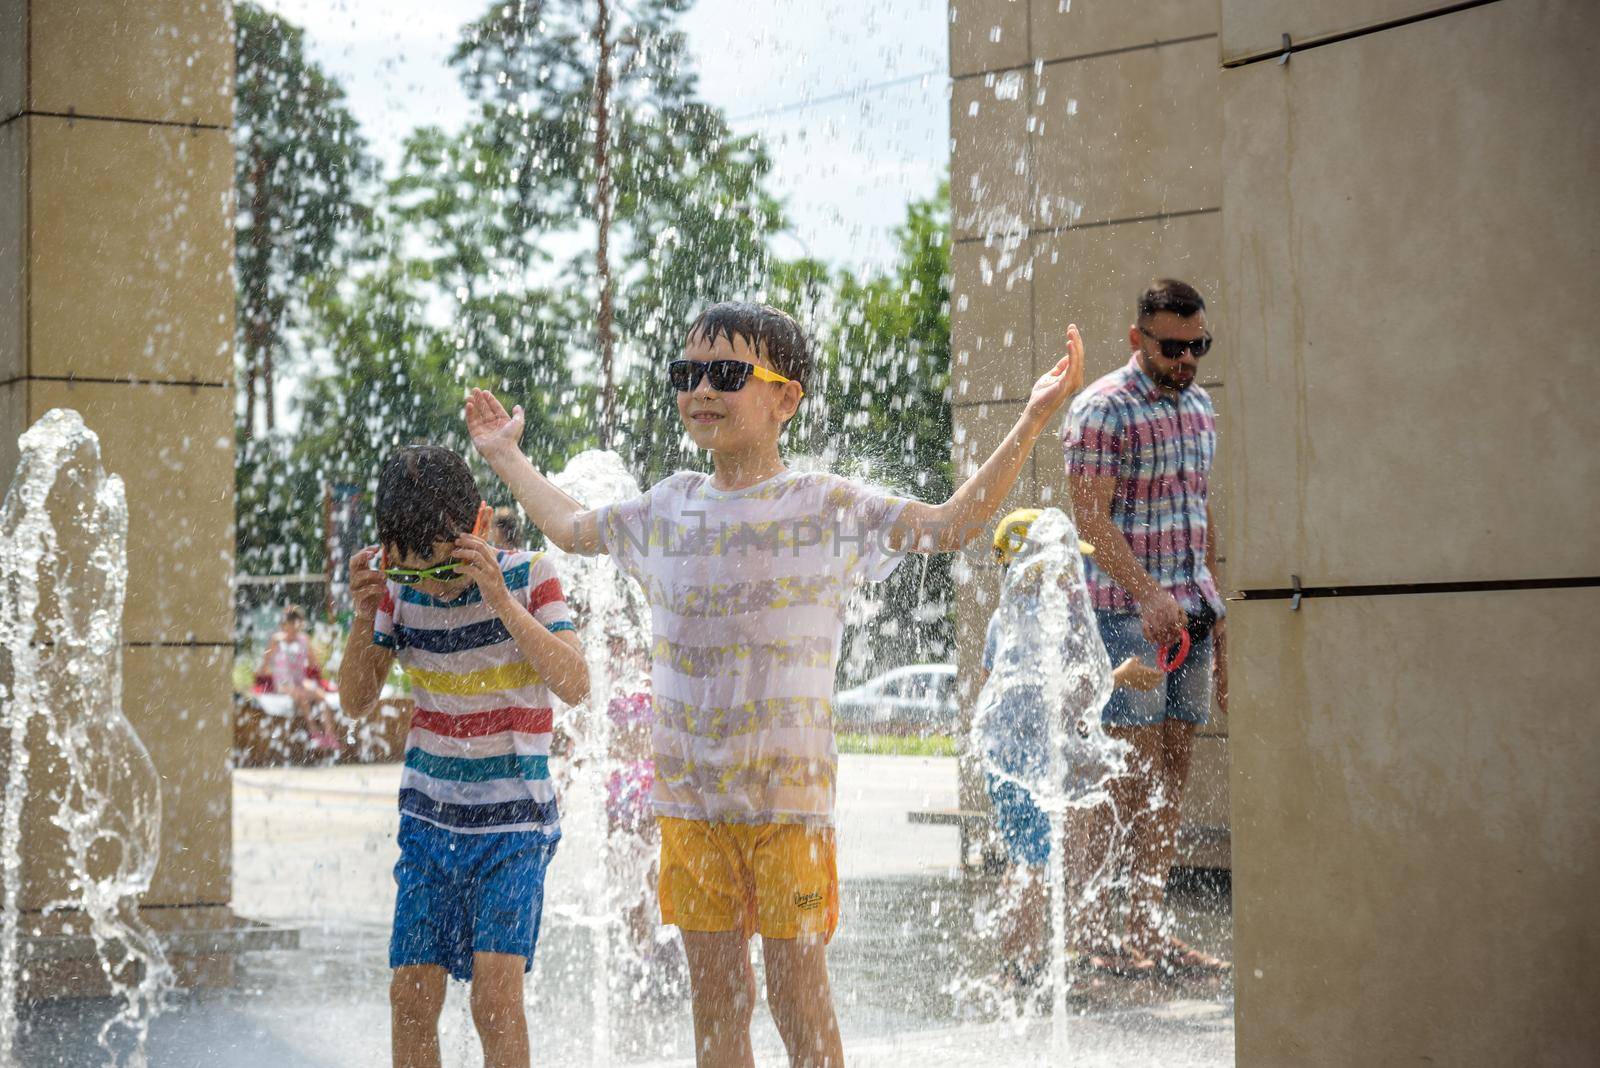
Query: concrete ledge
[
  {"x": 262, "y": 739},
  {"x": 201, "y": 943},
  {"x": 1200, "y": 847}
]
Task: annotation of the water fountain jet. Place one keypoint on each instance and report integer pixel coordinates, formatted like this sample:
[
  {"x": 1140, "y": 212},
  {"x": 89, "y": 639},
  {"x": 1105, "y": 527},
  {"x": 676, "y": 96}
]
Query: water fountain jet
[
  {"x": 63, "y": 580},
  {"x": 1050, "y": 656}
]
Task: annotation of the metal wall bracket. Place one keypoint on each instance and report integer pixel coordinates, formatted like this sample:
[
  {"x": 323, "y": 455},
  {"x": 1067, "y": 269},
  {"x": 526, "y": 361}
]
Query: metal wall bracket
[
  {"x": 1288, "y": 46},
  {"x": 1295, "y": 593}
]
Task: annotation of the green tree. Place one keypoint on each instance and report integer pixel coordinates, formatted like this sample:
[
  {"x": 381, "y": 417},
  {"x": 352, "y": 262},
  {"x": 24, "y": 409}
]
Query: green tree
[
  {"x": 388, "y": 384},
  {"x": 395, "y": 378},
  {"x": 391, "y": 383},
  {"x": 508, "y": 332},
  {"x": 676, "y": 195},
  {"x": 888, "y": 357},
  {"x": 298, "y": 165},
  {"x": 881, "y": 411},
  {"x": 298, "y": 161}
]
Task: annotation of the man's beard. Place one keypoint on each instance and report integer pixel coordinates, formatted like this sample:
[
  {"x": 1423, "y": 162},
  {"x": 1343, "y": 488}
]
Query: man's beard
[{"x": 1179, "y": 380}]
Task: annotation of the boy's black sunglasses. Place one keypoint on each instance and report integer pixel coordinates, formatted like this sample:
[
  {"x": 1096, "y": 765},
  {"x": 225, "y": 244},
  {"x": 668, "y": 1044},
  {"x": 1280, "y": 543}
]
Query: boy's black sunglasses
[
  {"x": 1174, "y": 348},
  {"x": 725, "y": 376}
]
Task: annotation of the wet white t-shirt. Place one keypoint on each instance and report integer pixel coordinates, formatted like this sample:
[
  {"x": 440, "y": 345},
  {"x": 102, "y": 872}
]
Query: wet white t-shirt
[{"x": 747, "y": 592}]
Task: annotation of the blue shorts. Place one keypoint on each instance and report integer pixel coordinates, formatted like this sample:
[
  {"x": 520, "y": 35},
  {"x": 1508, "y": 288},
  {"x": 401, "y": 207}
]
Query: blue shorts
[
  {"x": 461, "y": 894},
  {"x": 1023, "y": 825},
  {"x": 1187, "y": 694}
]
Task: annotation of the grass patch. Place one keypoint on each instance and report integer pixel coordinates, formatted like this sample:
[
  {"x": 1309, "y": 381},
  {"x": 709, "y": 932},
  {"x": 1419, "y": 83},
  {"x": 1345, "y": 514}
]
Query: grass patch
[{"x": 940, "y": 745}]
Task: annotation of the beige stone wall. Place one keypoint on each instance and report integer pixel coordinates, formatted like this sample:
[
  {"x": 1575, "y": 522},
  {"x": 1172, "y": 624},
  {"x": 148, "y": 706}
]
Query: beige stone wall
[
  {"x": 1085, "y": 160},
  {"x": 1411, "y": 239},
  {"x": 116, "y": 299}
]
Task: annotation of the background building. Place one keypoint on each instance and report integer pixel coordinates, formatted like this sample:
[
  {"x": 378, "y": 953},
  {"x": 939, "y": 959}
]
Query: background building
[
  {"x": 1085, "y": 149},
  {"x": 116, "y": 299},
  {"x": 1392, "y": 203}
]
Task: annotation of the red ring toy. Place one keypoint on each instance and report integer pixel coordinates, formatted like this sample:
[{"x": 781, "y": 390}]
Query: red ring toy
[{"x": 1169, "y": 661}]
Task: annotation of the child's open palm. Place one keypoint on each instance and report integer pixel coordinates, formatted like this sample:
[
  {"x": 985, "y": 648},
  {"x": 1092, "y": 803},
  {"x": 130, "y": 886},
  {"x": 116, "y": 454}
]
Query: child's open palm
[
  {"x": 491, "y": 427},
  {"x": 1135, "y": 674},
  {"x": 1062, "y": 380}
]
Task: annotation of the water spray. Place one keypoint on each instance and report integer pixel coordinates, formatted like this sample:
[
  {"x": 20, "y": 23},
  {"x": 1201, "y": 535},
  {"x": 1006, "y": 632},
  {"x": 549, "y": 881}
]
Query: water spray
[{"x": 63, "y": 580}]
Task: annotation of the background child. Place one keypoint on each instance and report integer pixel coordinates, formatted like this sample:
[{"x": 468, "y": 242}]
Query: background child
[
  {"x": 611, "y": 754},
  {"x": 485, "y": 637},
  {"x": 748, "y": 572},
  {"x": 505, "y": 530},
  {"x": 1012, "y": 738},
  {"x": 291, "y": 664},
  {"x": 657, "y": 962}
]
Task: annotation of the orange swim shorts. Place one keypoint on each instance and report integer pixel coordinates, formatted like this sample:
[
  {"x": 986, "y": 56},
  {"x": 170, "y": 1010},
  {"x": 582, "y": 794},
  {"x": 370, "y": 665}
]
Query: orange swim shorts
[{"x": 780, "y": 880}]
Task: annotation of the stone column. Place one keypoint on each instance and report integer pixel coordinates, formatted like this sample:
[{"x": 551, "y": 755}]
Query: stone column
[
  {"x": 1085, "y": 161},
  {"x": 1411, "y": 240},
  {"x": 116, "y": 299}
]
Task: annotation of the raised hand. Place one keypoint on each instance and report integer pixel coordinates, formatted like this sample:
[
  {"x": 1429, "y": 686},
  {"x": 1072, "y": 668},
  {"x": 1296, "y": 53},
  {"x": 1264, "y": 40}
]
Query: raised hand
[
  {"x": 366, "y": 583},
  {"x": 493, "y": 430},
  {"x": 1061, "y": 381}
]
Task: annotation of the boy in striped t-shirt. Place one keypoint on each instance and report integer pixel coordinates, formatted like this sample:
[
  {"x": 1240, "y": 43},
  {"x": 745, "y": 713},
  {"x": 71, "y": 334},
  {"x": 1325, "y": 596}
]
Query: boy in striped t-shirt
[
  {"x": 485, "y": 638},
  {"x": 748, "y": 572}
]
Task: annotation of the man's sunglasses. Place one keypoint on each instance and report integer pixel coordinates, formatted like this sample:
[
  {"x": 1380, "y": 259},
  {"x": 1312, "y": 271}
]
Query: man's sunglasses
[
  {"x": 446, "y": 572},
  {"x": 725, "y": 376},
  {"x": 1174, "y": 348}
]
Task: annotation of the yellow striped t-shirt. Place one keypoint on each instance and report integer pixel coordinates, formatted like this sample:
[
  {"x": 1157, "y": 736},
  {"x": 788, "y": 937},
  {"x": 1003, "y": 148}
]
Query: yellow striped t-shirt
[{"x": 747, "y": 591}]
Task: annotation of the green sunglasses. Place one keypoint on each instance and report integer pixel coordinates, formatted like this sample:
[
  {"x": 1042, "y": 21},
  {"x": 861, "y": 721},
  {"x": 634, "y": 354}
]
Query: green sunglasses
[
  {"x": 410, "y": 576},
  {"x": 407, "y": 576}
]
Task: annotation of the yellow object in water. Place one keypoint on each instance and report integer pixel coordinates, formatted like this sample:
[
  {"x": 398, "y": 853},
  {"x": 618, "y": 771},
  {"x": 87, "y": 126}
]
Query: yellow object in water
[{"x": 1012, "y": 534}]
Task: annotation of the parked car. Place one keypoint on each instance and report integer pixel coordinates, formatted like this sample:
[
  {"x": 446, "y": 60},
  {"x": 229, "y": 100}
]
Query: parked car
[{"x": 917, "y": 699}]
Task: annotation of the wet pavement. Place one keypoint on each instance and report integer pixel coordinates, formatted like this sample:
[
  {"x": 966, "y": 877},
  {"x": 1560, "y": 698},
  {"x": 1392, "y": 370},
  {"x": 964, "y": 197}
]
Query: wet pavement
[{"x": 313, "y": 848}]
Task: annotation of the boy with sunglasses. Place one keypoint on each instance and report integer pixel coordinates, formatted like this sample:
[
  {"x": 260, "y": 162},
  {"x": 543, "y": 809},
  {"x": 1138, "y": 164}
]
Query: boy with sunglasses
[
  {"x": 485, "y": 637},
  {"x": 748, "y": 572}
]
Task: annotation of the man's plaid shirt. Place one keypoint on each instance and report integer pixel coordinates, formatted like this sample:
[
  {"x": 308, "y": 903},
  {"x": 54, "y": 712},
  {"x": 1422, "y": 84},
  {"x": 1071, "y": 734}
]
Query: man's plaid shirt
[{"x": 1159, "y": 449}]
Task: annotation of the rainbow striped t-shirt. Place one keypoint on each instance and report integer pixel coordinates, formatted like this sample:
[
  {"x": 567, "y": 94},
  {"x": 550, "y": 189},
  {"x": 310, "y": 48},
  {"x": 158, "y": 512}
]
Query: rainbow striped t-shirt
[{"x": 477, "y": 755}]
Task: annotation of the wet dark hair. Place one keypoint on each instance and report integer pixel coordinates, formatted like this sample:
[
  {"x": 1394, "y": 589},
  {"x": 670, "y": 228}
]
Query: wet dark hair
[
  {"x": 426, "y": 495},
  {"x": 770, "y": 332},
  {"x": 1170, "y": 295}
]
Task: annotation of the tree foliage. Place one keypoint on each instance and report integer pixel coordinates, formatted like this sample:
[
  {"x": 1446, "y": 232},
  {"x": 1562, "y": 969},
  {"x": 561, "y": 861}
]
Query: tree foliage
[
  {"x": 884, "y": 343},
  {"x": 691, "y": 214},
  {"x": 474, "y": 266},
  {"x": 299, "y": 167},
  {"x": 299, "y": 162}
]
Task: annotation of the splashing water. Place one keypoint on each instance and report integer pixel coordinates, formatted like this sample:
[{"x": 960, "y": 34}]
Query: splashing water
[
  {"x": 63, "y": 573},
  {"x": 1049, "y": 656},
  {"x": 615, "y": 633}
]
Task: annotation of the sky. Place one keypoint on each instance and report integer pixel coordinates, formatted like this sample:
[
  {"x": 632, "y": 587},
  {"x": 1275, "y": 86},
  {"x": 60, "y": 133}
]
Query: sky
[{"x": 808, "y": 75}]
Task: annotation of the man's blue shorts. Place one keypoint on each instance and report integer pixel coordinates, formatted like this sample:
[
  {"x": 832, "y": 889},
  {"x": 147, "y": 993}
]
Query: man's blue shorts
[
  {"x": 1187, "y": 694},
  {"x": 461, "y": 894},
  {"x": 1023, "y": 825}
]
